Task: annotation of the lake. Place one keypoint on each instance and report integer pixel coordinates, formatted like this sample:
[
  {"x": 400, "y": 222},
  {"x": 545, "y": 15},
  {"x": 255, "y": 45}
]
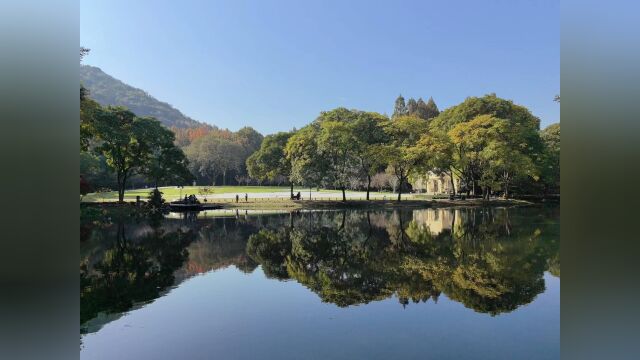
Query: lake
[{"x": 480, "y": 283}]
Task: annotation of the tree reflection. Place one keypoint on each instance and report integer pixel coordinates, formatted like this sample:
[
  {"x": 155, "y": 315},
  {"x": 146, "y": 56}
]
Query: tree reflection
[
  {"x": 130, "y": 271},
  {"x": 481, "y": 258},
  {"x": 490, "y": 260}
]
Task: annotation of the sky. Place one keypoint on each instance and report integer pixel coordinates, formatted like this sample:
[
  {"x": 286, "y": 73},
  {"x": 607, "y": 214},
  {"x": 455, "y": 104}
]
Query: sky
[{"x": 274, "y": 65}]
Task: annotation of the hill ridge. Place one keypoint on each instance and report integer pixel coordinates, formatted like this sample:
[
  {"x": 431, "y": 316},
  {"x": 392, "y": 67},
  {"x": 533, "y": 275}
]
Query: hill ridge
[{"x": 107, "y": 90}]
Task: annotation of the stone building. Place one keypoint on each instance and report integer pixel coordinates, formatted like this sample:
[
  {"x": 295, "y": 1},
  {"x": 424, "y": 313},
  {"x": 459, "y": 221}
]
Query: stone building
[{"x": 434, "y": 184}]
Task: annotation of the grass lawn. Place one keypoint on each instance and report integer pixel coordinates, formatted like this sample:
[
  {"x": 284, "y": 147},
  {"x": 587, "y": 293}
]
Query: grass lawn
[{"x": 171, "y": 193}]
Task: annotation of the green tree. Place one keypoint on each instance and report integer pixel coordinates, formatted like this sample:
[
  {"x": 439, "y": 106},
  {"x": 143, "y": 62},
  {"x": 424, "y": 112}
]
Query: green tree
[
  {"x": 404, "y": 133},
  {"x": 368, "y": 133},
  {"x": 431, "y": 109},
  {"x": 491, "y": 151},
  {"x": 412, "y": 107},
  {"x": 399, "y": 108},
  {"x": 436, "y": 152},
  {"x": 523, "y": 134},
  {"x": 270, "y": 161},
  {"x": 128, "y": 142},
  {"x": 550, "y": 167},
  {"x": 421, "y": 109},
  {"x": 88, "y": 111},
  {"x": 307, "y": 166},
  {"x": 167, "y": 164},
  {"x": 486, "y": 105},
  {"x": 337, "y": 149},
  {"x": 249, "y": 139}
]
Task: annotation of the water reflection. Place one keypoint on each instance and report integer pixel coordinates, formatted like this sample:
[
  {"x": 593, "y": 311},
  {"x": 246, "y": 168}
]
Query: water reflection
[{"x": 490, "y": 260}]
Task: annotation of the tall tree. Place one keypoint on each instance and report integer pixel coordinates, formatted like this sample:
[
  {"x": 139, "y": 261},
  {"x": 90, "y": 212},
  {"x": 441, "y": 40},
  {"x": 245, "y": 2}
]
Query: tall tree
[
  {"x": 550, "y": 166},
  {"x": 421, "y": 109},
  {"x": 436, "y": 152},
  {"x": 212, "y": 156},
  {"x": 368, "y": 133},
  {"x": 270, "y": 161},
  {"x": 492, "y": 152},
  {"x": 129, "y": 143},
  {"x": 307, "y": 166},
  {"x": 399, "y": 108},
  {"x": 88, "y": 110},
  {"x": 337, "y": 148},
  {"x": 412, "y": 107},
  {"x": 167, "y": 163},
  {"x": 404, "y": 133},
  {"x": 525, "y": 132},
  {"x": 431, "y": 109}
]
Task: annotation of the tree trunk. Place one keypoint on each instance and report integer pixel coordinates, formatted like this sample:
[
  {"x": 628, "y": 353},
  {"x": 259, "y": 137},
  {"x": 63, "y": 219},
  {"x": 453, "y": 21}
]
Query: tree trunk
[
  {"x": 122, "y": 183},
  {"x": 453, "y": 185},
  {"x": 506, "y": 186},
  {"x": 292, "y": 189},
  {"x": 224, "y": 178},
  {"x": 400, "y": 189},
  {"x": 368, "y": 186},
  {"x": 344, "y": 196}
]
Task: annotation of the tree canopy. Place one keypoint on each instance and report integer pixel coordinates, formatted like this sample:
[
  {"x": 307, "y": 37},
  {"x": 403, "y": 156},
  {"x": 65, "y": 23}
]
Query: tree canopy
[{"x": 135, "y": 145}]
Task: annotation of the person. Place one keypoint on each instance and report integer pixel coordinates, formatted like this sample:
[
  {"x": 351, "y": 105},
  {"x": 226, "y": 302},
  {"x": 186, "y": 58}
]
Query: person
[
  {"x": 237, "y": 197},
  {"x": 246, "y": 197},
  {"x": 298, "y": 196}
]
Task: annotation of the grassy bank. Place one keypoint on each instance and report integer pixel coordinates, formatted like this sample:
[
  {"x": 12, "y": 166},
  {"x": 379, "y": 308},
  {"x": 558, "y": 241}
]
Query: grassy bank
[{"x": 171, "y": 193}]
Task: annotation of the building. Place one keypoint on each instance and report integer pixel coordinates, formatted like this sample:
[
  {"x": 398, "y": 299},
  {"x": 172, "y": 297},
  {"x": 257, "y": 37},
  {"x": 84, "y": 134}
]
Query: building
[{"x": 434, "y": 184}]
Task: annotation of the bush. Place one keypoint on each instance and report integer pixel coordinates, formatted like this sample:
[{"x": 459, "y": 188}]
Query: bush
[{"x": 156, "y": 202}]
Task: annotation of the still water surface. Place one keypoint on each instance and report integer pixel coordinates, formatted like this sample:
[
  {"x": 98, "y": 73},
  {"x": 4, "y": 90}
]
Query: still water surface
[{"x": 436, "y": 283}]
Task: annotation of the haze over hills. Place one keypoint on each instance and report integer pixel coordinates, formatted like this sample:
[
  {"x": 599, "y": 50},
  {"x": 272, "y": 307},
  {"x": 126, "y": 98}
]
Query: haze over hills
[{"x": 108, "y": 90}]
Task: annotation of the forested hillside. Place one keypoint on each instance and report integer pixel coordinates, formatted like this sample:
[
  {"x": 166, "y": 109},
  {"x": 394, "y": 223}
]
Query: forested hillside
[{"x": 108, "y": 90}]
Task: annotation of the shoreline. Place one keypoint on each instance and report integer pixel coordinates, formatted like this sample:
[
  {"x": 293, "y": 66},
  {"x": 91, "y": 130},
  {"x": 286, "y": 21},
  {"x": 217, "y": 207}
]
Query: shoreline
[{"x": 349, "y": 204}]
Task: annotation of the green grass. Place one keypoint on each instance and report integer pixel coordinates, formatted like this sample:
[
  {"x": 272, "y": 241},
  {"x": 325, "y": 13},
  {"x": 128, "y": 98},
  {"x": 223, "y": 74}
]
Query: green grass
[{"x": 172, "y": 192}]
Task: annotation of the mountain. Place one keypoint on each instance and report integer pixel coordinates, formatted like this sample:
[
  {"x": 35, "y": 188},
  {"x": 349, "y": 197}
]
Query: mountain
[{"x": 108, "y": 90}]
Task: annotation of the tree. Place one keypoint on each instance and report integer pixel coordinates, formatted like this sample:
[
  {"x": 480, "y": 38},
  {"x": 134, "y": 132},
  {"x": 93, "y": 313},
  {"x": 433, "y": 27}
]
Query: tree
[
  {"x": 491, "y": 105},
  {"x": 550, "y": 167},
  {"x": 436, "y": 152},
  {"x": 211, "y": 156},
  {"x": 270, "y": 161},
  {"x": 168, "y": 164},
  {"x": 525, "y": 136},
  {"x": 368, "y": 133},
  {"x": 491, "y": 151},
  {"x": 88, "y": 110},
  {"x": 307, "y": 166},
  {"x": 421, "y": 110},
  {"x": 431, "y": 109},
  {"x": 129, "y": 143},
  {"x": 404, "y": 133},
  {"x": 249, "y": 139},
  {"x": 412, "y": 107},
  {"x": 400, "y": 107},
  {"x": 337, "y": 148}
]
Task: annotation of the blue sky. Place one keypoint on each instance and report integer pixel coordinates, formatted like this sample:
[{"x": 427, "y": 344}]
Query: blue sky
[{"x": 275, "y": 65}]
